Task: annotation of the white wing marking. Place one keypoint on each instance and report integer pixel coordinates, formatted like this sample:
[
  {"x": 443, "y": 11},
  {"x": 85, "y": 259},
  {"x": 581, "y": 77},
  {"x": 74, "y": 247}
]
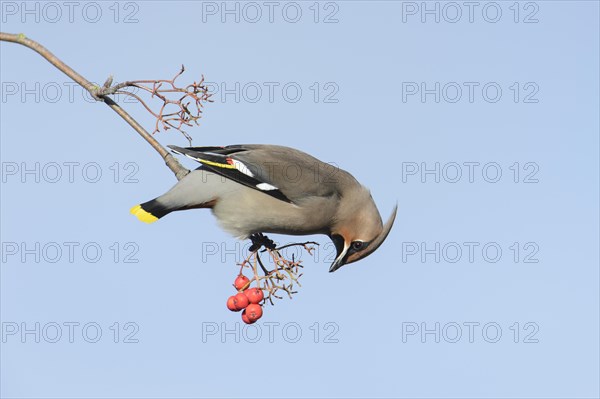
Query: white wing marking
[
  {"x": 266, "y": 187},
  {"x": 242, "y": 168}
]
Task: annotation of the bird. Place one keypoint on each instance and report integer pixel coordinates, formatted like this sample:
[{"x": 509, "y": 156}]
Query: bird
[{"x": 253, "y": 189}]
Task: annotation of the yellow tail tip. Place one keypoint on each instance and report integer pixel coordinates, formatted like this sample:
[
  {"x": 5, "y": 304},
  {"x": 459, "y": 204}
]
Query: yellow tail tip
[{"x": 142, "y": 215}]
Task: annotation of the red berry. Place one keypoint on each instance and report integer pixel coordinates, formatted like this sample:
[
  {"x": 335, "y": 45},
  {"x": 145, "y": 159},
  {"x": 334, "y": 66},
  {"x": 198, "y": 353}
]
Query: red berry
[
  {"x": 254, "y": 312},
  {"x": 255, "y": 295},
  {"x": 240, "y": 282},
  {"x": 245, "y": 318},
  {"x": 241, "y": 301},
  {"x": 231, "y": 304}
]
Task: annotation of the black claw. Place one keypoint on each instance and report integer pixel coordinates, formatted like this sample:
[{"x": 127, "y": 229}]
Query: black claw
[{"x": 260, "y": 240}]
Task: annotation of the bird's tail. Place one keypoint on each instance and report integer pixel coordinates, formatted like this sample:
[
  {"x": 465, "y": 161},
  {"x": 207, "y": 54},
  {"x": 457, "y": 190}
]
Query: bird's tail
[{"x": 150, "y": 211}]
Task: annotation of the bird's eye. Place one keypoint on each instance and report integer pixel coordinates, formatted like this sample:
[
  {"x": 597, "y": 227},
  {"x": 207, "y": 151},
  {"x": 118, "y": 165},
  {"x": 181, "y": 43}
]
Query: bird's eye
[{"x": 357, "y": 245}]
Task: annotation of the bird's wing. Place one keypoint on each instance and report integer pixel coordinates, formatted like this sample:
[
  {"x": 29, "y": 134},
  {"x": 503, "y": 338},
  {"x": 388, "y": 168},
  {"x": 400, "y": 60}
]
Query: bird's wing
[{"x": 284, "y": 173}]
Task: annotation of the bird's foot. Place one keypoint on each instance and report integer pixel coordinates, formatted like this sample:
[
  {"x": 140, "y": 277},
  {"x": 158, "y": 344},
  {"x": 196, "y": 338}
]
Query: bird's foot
[{"x": 261, "y": 240}]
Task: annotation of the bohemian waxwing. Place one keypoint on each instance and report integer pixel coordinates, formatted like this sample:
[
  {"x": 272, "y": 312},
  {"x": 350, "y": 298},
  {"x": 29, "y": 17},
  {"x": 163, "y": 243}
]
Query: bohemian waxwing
[{"x": 274, "y": 189}]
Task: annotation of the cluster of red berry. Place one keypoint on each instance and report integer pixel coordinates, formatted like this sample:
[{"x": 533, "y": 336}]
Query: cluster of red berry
[{"x": 247, "y": 299}]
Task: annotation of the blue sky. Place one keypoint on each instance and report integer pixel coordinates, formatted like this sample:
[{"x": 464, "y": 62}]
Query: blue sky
[{"x": 480, "y": 121}]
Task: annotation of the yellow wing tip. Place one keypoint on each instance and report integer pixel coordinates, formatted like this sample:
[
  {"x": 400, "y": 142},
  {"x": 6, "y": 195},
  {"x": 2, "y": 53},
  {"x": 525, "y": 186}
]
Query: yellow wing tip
[{"x": 142, "y": 215}]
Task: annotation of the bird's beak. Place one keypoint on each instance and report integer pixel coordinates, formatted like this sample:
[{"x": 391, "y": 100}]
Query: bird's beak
[{"x": 342, "y": 249}]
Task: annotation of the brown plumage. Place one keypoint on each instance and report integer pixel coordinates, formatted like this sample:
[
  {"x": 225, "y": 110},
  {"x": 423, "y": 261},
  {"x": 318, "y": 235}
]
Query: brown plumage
[{"x": 275, "y": 189}]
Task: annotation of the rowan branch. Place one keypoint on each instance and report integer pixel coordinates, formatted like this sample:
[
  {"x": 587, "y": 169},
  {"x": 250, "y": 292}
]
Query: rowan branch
[
  {"x": 100, "y": 94},
  {"x": 186, "y": 107}
]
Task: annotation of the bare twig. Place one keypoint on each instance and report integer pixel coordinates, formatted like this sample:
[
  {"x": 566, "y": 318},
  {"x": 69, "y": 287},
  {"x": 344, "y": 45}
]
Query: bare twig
[
  {"x": 100, "y": 94},
  {"x": 283, "y": 277},
  {"x": 188, "y": 106}
]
